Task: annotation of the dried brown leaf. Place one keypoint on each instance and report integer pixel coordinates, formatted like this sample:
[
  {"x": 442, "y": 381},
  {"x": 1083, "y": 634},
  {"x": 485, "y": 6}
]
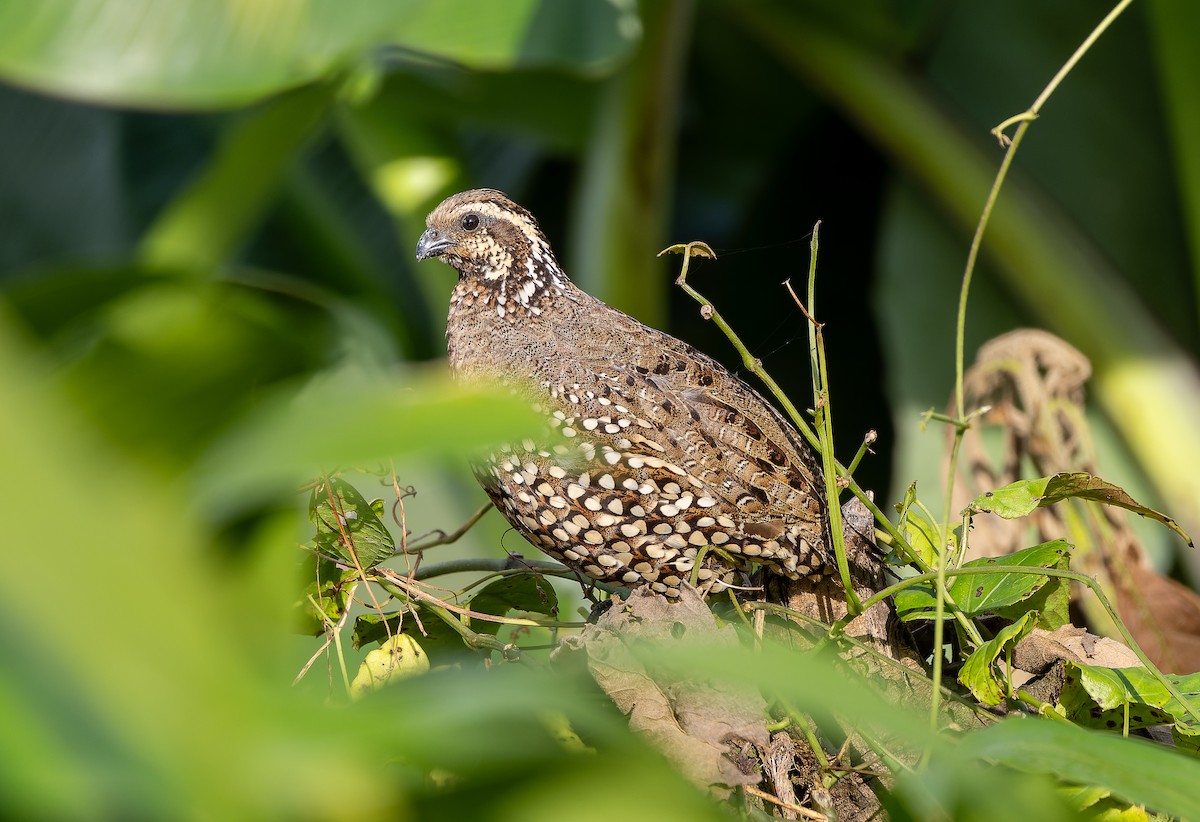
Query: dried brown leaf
[
  {"x": 697, "y": 725},
  {"x": 1162, "y": 615}
]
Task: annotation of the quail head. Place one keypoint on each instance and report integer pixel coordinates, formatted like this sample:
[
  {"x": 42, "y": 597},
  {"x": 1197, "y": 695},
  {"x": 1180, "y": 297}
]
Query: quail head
[{"x": 659, "y": 466}]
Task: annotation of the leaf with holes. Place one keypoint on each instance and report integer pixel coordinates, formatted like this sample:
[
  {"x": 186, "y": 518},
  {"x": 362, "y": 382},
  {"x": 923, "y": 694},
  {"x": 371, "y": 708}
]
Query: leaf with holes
[
  {"x": 349, "y": 527},
  {"x": 1021, "y": 498},
  {"x": 990, "y": 593},
  {"x": 978, "y": 672},
  {"x": 1099, "y": 697}
]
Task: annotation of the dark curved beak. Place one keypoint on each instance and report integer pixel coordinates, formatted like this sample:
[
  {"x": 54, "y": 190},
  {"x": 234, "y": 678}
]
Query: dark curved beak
[{"x": 432, "y": 243}]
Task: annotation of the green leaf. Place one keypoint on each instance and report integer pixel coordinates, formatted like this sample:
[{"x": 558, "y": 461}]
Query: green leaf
[
  {"x": 186, "y": 53},
  {"x": 588, "y": 36},
  {"x": 516, "y": 592},
  {"x": 978, "y": 672},
  {"x": 343, "y": 419},
  {"x": 1021, "y": 498},
  {"x": 1136, "y": 770},
  {"x": 331, "y": 588},
  {"x": 921, "y": 534},
  {"x": 992, "y": 593},
  {"x": 374, "y": 627},
  {"x": 348, "y": 527},
  {"x": 1051, "y": 600},
  {"x": 200, "y": 54},
  {"x": 1098, "y": 697}
]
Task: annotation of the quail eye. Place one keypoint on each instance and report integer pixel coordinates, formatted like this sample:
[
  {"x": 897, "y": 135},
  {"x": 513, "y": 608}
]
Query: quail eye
[{"x": 470, "y": 222}]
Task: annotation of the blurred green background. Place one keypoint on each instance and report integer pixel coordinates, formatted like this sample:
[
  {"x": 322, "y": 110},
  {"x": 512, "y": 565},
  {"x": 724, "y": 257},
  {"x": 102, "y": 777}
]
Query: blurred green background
[{"x": 205, "y": 208}]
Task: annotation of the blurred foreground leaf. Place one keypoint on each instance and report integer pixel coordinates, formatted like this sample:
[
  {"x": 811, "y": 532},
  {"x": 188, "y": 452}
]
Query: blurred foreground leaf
[
  {"x": 197, "y": 54},
  {"x": 176, "y": 703},
  {"x": 340, "y": 421},
  {"x": 1138, "y": 771}
]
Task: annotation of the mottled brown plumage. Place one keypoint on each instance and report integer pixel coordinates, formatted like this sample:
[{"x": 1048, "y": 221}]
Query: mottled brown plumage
[{"x": 657, "y": 455}]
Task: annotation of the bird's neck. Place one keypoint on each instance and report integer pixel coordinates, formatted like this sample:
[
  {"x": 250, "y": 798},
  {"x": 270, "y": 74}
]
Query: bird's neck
[
  {"x": 501, "y": 324},
  {"x": 513, "y": 291}
]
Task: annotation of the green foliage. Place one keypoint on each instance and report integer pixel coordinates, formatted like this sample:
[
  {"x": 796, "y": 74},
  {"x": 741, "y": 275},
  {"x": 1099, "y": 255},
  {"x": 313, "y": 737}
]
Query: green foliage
[
  {"x": 978, "y": 673},
  {"x": 348, "y": 527},
  {"x": 517, "y": 592},
  {"x": 1111, "y": 698},
  {"x": 1136, "y": 770},
  {"x": 980, "y": 594},
  {"x": 1021, "y": 498},
  {"x": 238, "y": 53}
]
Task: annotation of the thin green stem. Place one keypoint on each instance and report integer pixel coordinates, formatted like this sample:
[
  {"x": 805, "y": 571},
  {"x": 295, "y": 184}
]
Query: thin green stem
[
  {"x": 1024, "y": 120},
  {"x": 939, "y": 629},
  {"x": 824, "y": 422},
  {"x": 443, "y": 538},
  {"x": 1043, "y": 708},
  {"x": 863, "y": 450},
  {"x": 752, "y": 364},
  {"x": 341, "y": 656},
  {"x": 774, "y": 727},
  {"x": 1088, "y": 42}
]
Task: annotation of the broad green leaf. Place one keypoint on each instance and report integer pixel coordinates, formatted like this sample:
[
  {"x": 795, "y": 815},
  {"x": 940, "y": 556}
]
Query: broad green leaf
[
  {"x": 186, "y": 53},
  {"x": 581, "y": 35},
  {"x": 978, "y": 672},
  {"x": 342, "y": 420},
  {"x": 1138, "y": 771},
  {"x": 1099, "y": 697},
  {"x": 1021, "y": 498},
  {"x": 199, "y": 54},
  {"x": 1051, "y": 602},
  {"x": 989, "y": 593},
  {"x": 348, "y": 527},
  {"x": 515, "y": 592}
]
